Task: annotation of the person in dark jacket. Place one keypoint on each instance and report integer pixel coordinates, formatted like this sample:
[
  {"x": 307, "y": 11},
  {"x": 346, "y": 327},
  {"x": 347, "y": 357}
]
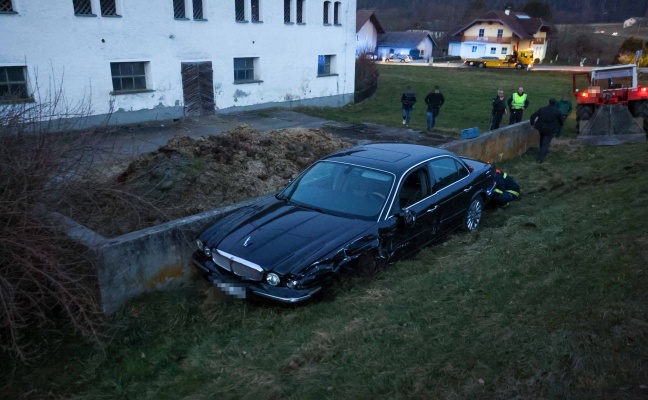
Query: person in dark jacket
[
  {"x": 407, "y": 101},
  {"x": 434, "y": 101},
  {"x": 506, "y": 189},
  {"x": 499, "y": 109},
  {"x": 547, "y": 121},
  {"x": 518, "y": 102}
]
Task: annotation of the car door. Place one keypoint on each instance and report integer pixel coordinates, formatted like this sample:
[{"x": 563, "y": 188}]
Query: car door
[{"x": 452, "y": 190}]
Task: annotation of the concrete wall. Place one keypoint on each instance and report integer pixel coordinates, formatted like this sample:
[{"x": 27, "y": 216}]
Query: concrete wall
[
  {"x": 159, "y": 257},
  {"x": 71, "y": 55}
]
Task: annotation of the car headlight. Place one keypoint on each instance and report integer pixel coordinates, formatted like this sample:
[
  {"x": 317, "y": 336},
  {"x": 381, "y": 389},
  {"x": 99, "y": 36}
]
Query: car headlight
[
  {"x": 200, "y": 244},
  {"x": 272, "y": 279}
]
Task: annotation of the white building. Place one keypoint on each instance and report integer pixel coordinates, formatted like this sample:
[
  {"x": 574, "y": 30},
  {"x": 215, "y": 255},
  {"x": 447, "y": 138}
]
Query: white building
[
  {"x": 145, "y": 60},
  {"x": 367, "y": 30}
]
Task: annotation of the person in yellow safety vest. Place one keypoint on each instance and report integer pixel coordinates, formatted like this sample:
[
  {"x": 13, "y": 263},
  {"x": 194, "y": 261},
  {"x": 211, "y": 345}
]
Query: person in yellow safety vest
[
  {"x": 517, "y": 103},
  {"x": 506, "y": 189}
]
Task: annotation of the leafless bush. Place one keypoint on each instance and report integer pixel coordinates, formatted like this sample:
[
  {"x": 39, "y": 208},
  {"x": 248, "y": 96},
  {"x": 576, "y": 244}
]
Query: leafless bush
[{"x": 366, "y": 78}]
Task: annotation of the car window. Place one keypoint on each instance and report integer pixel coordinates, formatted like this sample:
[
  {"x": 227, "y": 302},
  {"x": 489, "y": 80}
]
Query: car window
[
  {"x": 415, "y": 188},
  {"x": 446, "y": 171}
]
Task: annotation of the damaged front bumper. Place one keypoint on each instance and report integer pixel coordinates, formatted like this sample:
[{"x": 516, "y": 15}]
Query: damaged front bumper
[{"x": 235, "y": 287}]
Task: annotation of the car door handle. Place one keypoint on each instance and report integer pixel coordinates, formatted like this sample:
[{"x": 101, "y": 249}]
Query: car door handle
[
  {"x": 432, "y": 209},
  {"x": 467, "y": 189}
]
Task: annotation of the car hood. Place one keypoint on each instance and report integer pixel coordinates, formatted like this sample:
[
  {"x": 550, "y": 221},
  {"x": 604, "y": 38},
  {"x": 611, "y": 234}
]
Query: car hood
[{"x": 282, "y": 237}]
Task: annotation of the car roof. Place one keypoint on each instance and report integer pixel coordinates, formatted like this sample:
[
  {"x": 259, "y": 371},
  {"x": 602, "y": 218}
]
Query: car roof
[{"x": 391, "y": 157}]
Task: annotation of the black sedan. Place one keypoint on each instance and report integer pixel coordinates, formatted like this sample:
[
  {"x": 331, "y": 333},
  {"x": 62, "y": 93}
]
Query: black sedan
[{"x": 357, "y": 208}]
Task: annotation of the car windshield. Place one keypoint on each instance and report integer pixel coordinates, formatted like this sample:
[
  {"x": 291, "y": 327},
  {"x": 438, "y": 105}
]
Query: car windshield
[{"x": 341, "y": 189}]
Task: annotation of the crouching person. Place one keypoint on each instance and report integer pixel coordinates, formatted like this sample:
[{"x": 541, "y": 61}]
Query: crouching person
[{"x": 506, "y": 189}]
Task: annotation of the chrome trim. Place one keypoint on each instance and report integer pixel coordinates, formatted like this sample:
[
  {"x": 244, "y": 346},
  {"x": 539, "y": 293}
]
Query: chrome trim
[
  {"x": 285, "y": 299},
  {"x": 240, "y": 260}
]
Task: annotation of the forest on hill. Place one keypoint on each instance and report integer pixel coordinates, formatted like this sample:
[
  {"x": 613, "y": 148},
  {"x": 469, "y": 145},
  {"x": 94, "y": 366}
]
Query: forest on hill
[{"x": 397, "y": 15}]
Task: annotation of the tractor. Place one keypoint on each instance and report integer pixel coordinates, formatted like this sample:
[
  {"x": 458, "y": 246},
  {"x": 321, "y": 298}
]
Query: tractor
[{"x": 611, "y": 107}]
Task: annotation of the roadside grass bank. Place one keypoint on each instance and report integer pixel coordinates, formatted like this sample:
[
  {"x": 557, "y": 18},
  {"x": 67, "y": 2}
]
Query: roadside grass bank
[{"x": 546, "y": 300}]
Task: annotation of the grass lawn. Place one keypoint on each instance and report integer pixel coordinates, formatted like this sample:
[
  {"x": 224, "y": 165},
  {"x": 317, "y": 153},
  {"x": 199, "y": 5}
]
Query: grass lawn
[{"x": 547, "y": 299}]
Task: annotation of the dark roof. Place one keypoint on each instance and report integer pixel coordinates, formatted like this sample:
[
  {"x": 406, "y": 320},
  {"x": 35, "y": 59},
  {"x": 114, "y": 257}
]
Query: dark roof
[
  {"x": 362, "y": 16},
  {"x": 408, "y": 40},
  {"x": 521, "y": 24},
  {"x": 391, "y": 157}
]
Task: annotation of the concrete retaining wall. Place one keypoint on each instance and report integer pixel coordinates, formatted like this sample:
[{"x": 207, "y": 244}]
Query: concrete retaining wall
[{"x": 158, "y": 257}]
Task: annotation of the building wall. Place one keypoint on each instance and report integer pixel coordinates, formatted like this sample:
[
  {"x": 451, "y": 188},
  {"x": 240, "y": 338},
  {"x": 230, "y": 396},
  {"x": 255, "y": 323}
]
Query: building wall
[
  {"x": 482, "y": 46},
  {"x": 366, "y": 38},
  {"x": 72, "y": 54},
  {"x": 426, "y": 46}
]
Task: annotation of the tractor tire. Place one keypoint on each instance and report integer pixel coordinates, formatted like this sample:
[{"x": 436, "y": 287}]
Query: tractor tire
[
  {"x": 641, "y": 109},
  {"x": 584, "y": 112}
]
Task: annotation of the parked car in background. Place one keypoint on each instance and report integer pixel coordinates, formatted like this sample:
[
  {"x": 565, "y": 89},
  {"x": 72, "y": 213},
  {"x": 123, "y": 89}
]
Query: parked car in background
[
  {"x": 354, "y": 210},
  {"x": 399, "y": 58}
]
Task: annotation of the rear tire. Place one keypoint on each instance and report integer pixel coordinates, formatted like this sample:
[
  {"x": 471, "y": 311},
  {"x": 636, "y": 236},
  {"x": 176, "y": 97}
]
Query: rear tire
[
  {"x": 473, "y": 214},
  {"x": 584, "y": 112},
  {"x": 482, "y": 65}
]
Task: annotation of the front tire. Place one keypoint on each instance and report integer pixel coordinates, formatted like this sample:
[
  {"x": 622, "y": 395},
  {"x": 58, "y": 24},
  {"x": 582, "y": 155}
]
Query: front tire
[
  {"x": 482, "y": 65},
  {"x": 473, "y": 214},
  {"x": 519, "y": 66}
]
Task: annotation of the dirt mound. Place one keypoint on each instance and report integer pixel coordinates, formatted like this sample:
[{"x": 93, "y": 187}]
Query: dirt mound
[{"x": 188, "y": 176}]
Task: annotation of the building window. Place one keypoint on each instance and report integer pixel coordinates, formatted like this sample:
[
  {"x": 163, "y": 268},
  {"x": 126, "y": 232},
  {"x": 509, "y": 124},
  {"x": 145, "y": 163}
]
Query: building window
[
  {"x": 239, "y": 6},
  {"x": 13, "y": 85},
  {"x": 198, "y": 12},
  {"x": 128, "y": 76},
  {"x": 6, "y": 6},
  {"x": 244, "y": 69},
  {"x": 286, "y": 11},
  {"x": 500, "y": 33},
  {"x": 327, "y": 4},
  {"x": 82, "y": 7},
  {"x": 474, "y": 49},
  {"x": 493, "y": 50},
  {"x": 504, "y": 50},
  {"x": 325, "y": 65},
  {"x": 108, "y": 8},
  {"x": 256, "y": 14},
  {"x": 179, "y": 9},
  {"x": 300, "y": 11},
  {"x": 481, "y": 33},
  {"x": 336, "y": 13}
]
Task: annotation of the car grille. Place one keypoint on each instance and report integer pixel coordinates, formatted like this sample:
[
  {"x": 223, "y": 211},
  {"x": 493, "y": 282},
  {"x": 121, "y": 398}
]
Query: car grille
[{"x": 238, "y": 266}]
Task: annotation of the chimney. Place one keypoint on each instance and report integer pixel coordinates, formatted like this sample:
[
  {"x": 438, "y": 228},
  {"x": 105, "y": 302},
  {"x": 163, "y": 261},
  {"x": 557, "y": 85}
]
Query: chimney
[{"x": 507, "y": 10}]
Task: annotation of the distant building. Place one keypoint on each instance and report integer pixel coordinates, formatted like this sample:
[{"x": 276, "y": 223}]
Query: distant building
[
  {"x": 418, "y": 44},
  {"x": 367, "y": 30},
  {"x": 498, "y": 33},
  {"x": 134, "y": 60}
]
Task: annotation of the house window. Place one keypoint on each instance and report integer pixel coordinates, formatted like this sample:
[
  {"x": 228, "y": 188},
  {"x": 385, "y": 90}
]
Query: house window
[
  {"x": 179, "y": 9},
  {"x": 256, "y": 15},
  {"x": 287, "y": 11},
  {"x": 198, "y": 12},
  {"x": 239, "y": 6},
  {"x": 504, "y": 50},
  {"x": 325, "y": 65},
  {"x": 128, "y": 76},
  {"x": 6, "y": 6},
  {"x": 108, "y": 8},
  {"x": 474, "y": 49},
  {"x": 336, "y": 13},
  {"x": 82, "y": 7},
  {"x": 326, "y": 11},
  {"x": 300, "y": 11},
  {"x": 481, "y": 33},
  {"x": 244, "y": 69},
  {"x": 493, "y": 50},
  {"x": 13, "y": 85},
  {"x": 500, "y": 33}
]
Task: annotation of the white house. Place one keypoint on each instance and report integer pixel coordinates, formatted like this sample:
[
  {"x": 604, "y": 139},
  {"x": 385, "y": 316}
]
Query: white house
[
  {"x": 143, "y": 60},
  {"x": 498, "y": 33},
  {"x": 367, "y": 30},
  {"x": 418, "y": 44}
]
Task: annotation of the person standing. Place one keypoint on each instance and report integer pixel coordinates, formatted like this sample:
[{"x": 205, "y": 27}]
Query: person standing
[
  {"x": 499, "y": 109},
  {"x": 547, "y": 120},
  {"x": 434, "y": 101},
  {"x": 565, "y": 108},
  {"x": 408, "y": 99},
  {"x": 517, "y": 103}
]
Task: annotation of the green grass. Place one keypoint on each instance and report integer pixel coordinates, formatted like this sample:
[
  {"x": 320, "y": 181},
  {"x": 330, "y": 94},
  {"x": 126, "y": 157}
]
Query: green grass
[
  {"x": 468, "y": 93},
  {"x": 547, "y": 299}
]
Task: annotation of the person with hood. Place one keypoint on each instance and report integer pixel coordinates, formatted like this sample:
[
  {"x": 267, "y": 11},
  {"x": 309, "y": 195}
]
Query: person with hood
[
  {"x": 408, "y": 99},
  {"x": 548, "y": 120},
  {"x": 434, "y": 101},
  {"x": 518, "y": 102},
  {"x": 499, "y": 109}
]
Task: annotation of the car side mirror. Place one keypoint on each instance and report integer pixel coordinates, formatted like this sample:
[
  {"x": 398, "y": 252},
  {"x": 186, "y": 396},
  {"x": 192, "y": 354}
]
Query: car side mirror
[{"x": 409, "y": 218}]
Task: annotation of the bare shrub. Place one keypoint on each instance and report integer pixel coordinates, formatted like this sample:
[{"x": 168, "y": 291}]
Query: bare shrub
[{"x": 366, "y": 78}]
